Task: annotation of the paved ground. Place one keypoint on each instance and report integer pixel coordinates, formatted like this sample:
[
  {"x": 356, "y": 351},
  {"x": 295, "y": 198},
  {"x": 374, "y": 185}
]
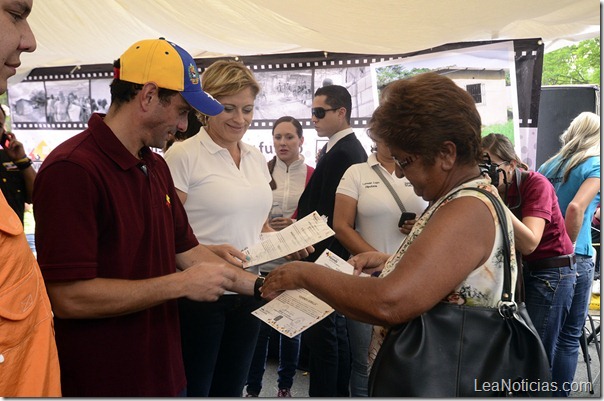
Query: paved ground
[
  {"x": 300, "y": 388},
  {"x": 581, "y": 376}
]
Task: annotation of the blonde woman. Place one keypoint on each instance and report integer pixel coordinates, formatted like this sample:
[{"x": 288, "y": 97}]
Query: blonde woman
[
  {"x": 575, "y": 173},
  {"x": 223, "y": 184}
]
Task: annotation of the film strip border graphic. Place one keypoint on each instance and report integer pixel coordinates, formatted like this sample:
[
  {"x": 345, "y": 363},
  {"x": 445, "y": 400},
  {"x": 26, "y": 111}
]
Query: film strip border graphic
[
  {"x": 307, "y": 123},
  {"x": 47, "y": 75},
  {"x": 62, "y": 77},
  {"x": 79, "y": 73},
  {"x": 525, "y": 52},
  {"x": 41, "y": 75}
]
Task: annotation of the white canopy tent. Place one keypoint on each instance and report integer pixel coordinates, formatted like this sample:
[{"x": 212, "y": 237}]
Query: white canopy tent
[{"x": 79, "y": 32}]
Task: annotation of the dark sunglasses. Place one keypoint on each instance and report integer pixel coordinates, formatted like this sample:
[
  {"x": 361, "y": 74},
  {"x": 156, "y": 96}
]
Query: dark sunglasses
[{"x": 319, "y": 112}]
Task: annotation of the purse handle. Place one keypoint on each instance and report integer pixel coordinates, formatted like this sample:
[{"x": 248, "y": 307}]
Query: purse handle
[
  {"x": 506, "y": 305},
  {"x": 376, "y": 167}
]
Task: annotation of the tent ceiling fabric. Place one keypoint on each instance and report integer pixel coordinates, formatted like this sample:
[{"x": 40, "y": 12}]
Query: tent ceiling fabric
[{"x": 77, "y": 32}]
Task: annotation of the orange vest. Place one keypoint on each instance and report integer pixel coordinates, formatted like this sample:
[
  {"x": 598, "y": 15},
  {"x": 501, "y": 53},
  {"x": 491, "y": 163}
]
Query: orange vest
[{"x": 29, "y": 364}]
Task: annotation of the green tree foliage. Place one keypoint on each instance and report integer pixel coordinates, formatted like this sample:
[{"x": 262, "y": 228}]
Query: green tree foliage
[
  {"x": 4, "y": 102},
  {"x": 390, "y": 73},
  {"x": 576, "y": 64}
]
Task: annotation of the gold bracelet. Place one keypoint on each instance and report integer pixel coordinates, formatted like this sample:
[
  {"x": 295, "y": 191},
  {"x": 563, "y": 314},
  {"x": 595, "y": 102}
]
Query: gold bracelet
[
  {"x": 22, "y": 165},
  {"x": 22, "y": 160}
]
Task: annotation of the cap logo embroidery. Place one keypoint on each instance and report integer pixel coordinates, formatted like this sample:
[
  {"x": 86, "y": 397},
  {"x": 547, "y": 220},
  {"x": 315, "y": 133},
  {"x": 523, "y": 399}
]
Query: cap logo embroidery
[{"x": 193, "y": 75}]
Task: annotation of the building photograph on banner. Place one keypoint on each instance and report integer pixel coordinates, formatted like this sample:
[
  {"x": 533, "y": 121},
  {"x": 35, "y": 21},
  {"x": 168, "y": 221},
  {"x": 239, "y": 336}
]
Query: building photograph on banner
[
  {"x": 27, "y": 102},
  {"x": 487, "y": 72},
  {"x": 358, "y": 82}
]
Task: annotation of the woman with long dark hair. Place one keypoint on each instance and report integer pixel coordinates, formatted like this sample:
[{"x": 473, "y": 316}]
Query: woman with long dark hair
[{"x": 549, "y": 267}]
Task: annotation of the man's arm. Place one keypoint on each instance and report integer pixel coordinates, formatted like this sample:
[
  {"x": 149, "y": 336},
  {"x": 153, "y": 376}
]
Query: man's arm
[
  {"x": 204, "y": 277},
  {"x": 29, "y": 175},
  {"x": 16, "y": 153},
  {"x": 102, "y": 298}
]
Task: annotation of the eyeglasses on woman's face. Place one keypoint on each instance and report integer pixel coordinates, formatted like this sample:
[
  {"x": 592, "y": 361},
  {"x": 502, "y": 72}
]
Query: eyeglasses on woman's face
[
  {"x": 319, "y": 112},
  {"x": 402, "y": 164},
  {"x": 496, "y": 165}
]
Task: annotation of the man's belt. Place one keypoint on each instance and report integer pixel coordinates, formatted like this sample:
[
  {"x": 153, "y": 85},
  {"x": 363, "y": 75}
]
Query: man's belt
[{"x": 556, "y": 261}]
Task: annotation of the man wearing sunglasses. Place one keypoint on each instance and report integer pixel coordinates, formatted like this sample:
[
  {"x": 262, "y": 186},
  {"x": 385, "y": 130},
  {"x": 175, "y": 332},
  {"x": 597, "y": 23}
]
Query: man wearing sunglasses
[{"x": 327, "y": 341}]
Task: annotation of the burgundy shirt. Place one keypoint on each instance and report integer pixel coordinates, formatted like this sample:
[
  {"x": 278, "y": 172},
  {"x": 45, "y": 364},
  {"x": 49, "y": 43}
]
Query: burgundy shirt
[
  {"x": 99, "y": 215},
  {"x": 539, "y": 200}
]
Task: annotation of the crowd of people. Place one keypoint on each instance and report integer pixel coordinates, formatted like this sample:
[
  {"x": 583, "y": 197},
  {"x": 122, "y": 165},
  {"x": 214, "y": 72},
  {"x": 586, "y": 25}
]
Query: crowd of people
[
  {"x": 138, "y": 287},
  {"x": 70, "y": 108}
]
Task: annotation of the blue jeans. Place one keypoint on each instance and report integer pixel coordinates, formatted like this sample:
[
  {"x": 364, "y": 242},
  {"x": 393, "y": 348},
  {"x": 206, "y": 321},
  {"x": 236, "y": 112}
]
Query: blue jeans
[
  {"x": 359, "y": 335},
  {"x": 31, "y": 240},
  {"x": 329, "y": 357},
  {"x": 566, "y": 354},
  {"x": 289, "y": 351},
  {"x": 549, "y": 294},
  {"x": 218, "y": 341}
]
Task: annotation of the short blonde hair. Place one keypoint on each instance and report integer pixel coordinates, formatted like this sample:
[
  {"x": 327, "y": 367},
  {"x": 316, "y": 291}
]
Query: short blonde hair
[{"x": 226, "y": 78}]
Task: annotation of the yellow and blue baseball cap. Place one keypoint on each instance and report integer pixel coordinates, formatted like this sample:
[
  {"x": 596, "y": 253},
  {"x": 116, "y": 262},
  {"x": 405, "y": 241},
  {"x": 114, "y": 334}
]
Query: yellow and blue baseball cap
[{"x": 170, "y": 67}]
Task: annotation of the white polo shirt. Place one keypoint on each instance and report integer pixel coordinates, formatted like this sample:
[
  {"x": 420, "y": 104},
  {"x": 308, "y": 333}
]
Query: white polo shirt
[
  {"x": 225, "y": 204},
  {"x": 377, "y": 211}
]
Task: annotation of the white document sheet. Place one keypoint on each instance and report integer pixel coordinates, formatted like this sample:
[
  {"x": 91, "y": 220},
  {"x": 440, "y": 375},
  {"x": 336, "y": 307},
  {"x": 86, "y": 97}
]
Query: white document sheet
[
  {"x": 294, "y": 311},
  {"x": 303, "y": 233}
]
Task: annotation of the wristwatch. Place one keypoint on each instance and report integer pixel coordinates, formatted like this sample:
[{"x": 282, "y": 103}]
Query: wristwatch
[
  {"x": 22, "y": 163},
  {"x": 257, "y": 284}
]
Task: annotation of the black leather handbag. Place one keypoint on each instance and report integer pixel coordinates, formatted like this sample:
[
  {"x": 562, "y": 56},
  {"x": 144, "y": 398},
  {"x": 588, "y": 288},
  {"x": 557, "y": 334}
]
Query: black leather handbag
[{"x": 463, "y": 351}]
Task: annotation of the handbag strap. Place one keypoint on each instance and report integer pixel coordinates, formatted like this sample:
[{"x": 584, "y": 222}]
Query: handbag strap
[
  {"x": 376, "y": 167},
  {"x": 506, "y": 295}
]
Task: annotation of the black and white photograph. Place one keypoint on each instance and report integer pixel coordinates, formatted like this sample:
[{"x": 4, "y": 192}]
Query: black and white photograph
[
  {"x": 358, "y": 82},
  {"x": 100, "y": 95},
  {"x": 27, "y": 102},
  {"x": 68, "y": 101},
  {"x": 283, "y": 93}
]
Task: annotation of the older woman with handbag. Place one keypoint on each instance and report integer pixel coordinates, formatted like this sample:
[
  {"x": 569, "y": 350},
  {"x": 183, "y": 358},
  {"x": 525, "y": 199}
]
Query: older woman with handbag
[
  {"x": 370, "y": 203},
  {"x": 455, "y": 263}
]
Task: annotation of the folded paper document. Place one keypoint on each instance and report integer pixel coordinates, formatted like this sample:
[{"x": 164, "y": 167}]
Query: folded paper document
[
  {"x": 294, "y": 311},
  {"x": 303, "y": 233}
]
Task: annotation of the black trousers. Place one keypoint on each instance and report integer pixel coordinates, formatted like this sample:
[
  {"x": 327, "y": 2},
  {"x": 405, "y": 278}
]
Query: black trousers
[{"x": 329, "y": 357}]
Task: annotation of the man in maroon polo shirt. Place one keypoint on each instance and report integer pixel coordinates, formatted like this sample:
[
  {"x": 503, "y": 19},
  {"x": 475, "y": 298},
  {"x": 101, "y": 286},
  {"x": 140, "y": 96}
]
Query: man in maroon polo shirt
[{"x": 112, "y": 233}]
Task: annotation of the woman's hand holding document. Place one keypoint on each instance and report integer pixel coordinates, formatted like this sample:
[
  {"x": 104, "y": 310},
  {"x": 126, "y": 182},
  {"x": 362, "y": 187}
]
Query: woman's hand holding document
[{"x": 294, "y": 311}]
